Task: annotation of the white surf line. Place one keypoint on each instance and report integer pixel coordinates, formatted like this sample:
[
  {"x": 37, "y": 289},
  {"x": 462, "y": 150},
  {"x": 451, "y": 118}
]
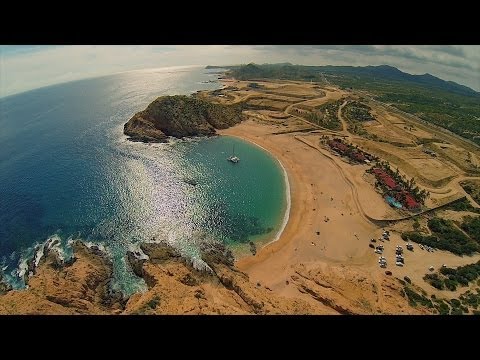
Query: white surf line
[{"x": 286, "y": 216}]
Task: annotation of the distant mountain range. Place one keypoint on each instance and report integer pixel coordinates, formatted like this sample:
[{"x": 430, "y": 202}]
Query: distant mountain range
[
  {"x": 392, "y": 73},
  {"x": 381, "y": 72}
]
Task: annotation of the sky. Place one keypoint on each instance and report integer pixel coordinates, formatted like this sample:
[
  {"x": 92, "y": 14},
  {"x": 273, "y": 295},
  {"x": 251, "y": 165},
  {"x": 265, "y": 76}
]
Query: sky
[{"x": 28, "y": 67}]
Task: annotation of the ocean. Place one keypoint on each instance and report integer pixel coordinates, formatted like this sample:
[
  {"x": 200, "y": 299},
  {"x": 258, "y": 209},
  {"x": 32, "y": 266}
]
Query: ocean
[{"x": 68, "y": 172}]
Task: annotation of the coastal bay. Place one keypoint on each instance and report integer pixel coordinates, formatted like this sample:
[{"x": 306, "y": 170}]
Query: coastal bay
[{"x": 289, "y": 229}]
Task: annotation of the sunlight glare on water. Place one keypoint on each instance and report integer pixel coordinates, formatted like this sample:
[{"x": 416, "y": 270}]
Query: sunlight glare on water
[{"x": 67, "y": 170}]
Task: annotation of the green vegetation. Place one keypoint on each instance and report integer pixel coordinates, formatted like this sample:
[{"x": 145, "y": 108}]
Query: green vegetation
[
  {"x": 442, "y": 308},
  {"x": 471, "y": 225},
  {"x": 416, "y": 224},
  {"x": 462, "y": 205},
  {"x": 255, "y": 85},
  {"x": 326, "y": 115},
  {"x": 466, "y": 303},
  {"x": 445, "y": 236},
  {"x": 181, "y": 116},
  {"x": 415, "y": 298},
  {"x": 470, "y": 299},
  {"x": 443, "y": 103},
  {"x": 357, "y": 111},
  {"x": 473, "y": 189},
  {"x": 451, "y": 278},
  {"x": 456, "y": 113},
  {"x": 435, "y": 281},
  {"x": 152, "y": 304}
]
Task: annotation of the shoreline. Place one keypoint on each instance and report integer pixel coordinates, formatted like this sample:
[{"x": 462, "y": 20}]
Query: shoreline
[
  {"x": 297, "y": 199},
  {"x": 286, "y": 215},
  {"x": 315, "y": 195}
]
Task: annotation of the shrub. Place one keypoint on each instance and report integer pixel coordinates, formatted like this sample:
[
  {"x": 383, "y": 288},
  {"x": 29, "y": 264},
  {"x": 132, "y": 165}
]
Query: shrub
[
  {"x": 445, "y": 236},
  {"x": 416, "y": 225},
  {"x": 434, "y": 280},
  {"x": 447, "y": 271},
  {"x": 471, "y": 225},
  {"x": 450, "y": 285},
  {"x": 414, "y": 298},
  {"x": 455, "y": 302},
  {"x": 443, "y": 309},
  {"x": 152, "y": 304}
]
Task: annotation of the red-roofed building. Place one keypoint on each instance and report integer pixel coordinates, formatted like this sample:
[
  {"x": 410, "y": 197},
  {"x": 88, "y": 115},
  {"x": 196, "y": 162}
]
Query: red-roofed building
[
  {"x": 338, "y": 146},
  {"x": 401, "y": 195},
  {"x": 359, "y": 156},
  {"x": 384, "y": 178},
  {"x": 388, "y": 180},
  {"x": 407, "y": 200},
  {"x": 410, "y": 202},
  {"x": 378, "y": 171}
]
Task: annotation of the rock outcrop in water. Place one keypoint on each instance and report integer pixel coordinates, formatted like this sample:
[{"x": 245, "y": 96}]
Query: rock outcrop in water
[
  {"x": 79, "y": 286},
  {"x": 176, "y": 286},
  {"x": 180, "y": 116},
  {"x": 82, "y": 286},
  {"x": 4, "y": 287}
]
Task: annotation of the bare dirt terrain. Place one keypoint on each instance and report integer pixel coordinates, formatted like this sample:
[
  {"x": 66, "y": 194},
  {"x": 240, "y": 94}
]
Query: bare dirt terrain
[{"x": 336, "y": 210}]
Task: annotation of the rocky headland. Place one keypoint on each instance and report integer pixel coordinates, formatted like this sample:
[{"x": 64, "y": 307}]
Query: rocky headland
[
  {"x": 80, "y": 285},
  {"x": 180, "y": 116}
]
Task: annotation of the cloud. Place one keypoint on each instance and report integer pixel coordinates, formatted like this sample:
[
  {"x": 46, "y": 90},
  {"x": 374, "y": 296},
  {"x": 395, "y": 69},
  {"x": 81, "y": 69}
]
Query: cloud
[
  {"x": 455, "y": 63},
  {"x": 27, "y": 67}
]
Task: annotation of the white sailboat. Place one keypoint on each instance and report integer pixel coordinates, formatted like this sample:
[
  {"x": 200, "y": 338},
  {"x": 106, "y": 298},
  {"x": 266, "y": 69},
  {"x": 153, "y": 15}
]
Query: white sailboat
[{"x": 234, "y": 159}]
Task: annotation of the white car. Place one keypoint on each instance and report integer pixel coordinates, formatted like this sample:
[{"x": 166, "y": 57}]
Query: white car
[{"x": 399, "y": 263}]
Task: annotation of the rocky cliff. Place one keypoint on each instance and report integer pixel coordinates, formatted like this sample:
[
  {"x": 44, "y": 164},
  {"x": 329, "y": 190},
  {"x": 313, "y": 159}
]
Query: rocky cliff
[
  {"x": 78, "y": 286},
  {"x": 82, "y": 286},
  {"x": 176, "y": 287},
  {"x": 180, "y": 116}
]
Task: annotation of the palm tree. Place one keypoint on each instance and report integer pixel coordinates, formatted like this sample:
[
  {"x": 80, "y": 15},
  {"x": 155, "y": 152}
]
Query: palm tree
[
  {"x": 411, "y": 184},
  {"x": 415, "y": 192},
  {"x": 423, "y": 195},
  {"x": 397, "y": 175}
]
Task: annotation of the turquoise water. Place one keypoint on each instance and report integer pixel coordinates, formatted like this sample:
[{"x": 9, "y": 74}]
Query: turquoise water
[
  {"x": 67, "y": 171},
  {"x": 393, "y": 202},
  {"x": 246, "y": 196}
]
